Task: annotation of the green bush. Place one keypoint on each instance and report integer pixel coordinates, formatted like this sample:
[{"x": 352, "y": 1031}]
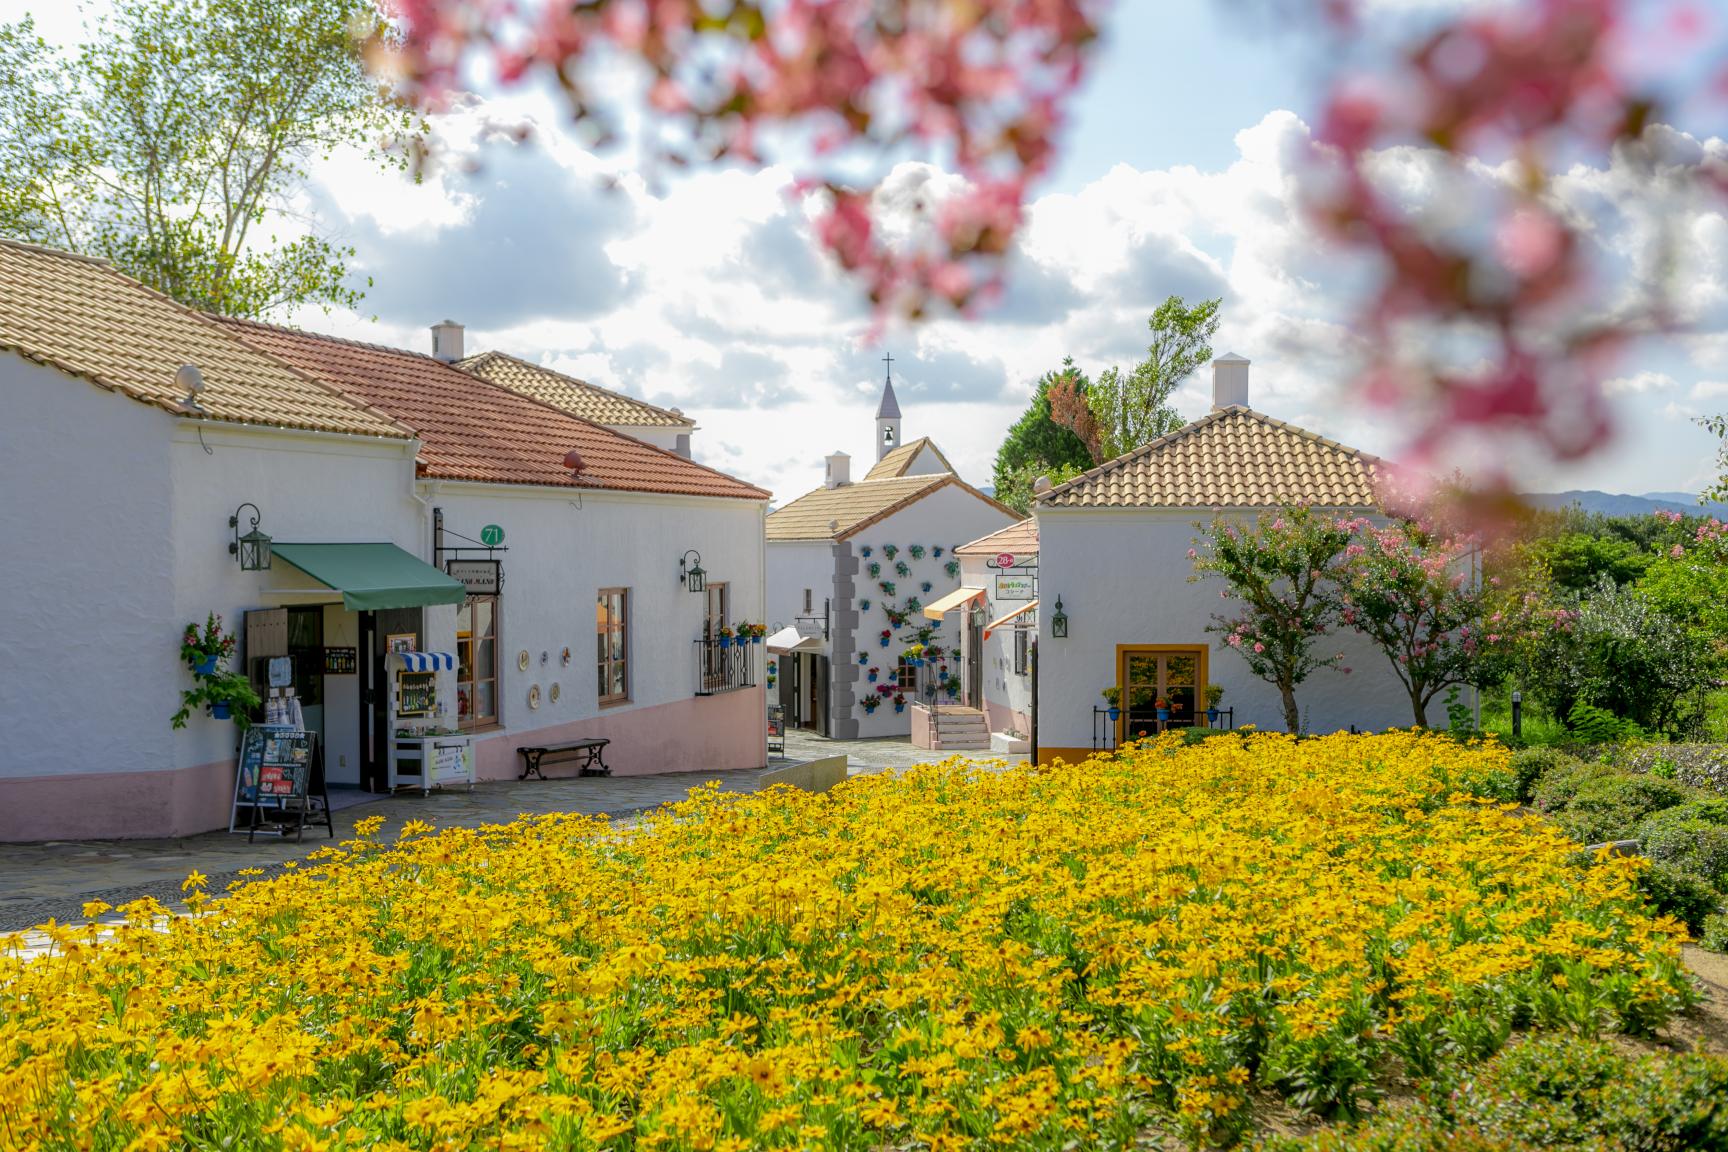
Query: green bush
[
  {"x": 1715, "y": 933},
  {"x": 1529, "y": 765},
  {"x": 1700, "y": 765},
  {"x": 1557, "y": 1093},
  {"x": 1693, "y": 837},
  {"x": 1686, "y": 896},
  {"x": 1554, "y": 790},
  {"x": 1595, "y": 725},
  {"x": 1611, "y": 807}
]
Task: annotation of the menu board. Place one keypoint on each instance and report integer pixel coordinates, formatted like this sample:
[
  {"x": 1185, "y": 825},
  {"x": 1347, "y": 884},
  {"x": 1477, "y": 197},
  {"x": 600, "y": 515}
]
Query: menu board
[{"x": 275, "y": 765}]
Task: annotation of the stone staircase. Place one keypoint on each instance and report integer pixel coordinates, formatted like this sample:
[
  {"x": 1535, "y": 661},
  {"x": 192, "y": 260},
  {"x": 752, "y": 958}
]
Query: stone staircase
[{"x": 960, "y": 729}]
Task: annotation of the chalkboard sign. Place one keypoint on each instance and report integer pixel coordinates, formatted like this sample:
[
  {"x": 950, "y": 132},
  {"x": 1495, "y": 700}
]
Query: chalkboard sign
[{"x": 275, "y": 765}]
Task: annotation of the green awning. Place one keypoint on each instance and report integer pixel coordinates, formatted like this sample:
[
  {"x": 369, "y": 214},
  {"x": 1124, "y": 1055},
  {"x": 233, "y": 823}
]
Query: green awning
[{"x": 372, "y": 576}]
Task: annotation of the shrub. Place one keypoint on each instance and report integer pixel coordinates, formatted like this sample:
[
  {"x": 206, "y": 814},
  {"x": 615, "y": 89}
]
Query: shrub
[
  {"x": 1715, "y": 933},
  {"x": 1595, "y": 725},
  {"x": 1686, "y": 896},
  {"x": 1531, "y": 764},
  {"x": 1611, "y": 807},
  {"x": 1554, "y": 791},
  {"x": 1693, "y": 837},
  {"x": 1698, "y": 765}
]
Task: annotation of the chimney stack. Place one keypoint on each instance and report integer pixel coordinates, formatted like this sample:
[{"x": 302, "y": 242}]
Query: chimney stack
[
  {"x": 839, "y": 470},
  {"x": 447, "y": 341},
  {"x": 1229, "y": 382}
]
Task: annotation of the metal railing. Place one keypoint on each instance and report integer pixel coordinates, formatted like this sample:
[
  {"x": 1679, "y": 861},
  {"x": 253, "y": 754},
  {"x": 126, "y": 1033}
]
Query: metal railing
[
  {"x": 725, "y": 666},
  {"x": 1106, "y": 728}
]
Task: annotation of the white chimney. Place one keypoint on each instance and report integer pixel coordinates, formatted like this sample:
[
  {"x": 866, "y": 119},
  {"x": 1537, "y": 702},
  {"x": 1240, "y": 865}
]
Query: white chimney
[
  {"x": 1229, "y": 382},
  {"x": 447, "y": 341},
  {"x": 839, "y": 470}
]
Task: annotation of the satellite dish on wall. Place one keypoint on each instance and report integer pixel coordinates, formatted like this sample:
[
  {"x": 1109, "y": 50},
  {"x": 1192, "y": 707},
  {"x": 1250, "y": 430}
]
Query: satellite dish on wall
[
  {"x": 573, "y": 461},
  {"x": 190, "y": 381}
]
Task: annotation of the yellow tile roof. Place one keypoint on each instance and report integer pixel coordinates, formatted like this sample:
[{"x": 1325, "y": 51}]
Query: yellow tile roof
[
  {"x": 577, "y": 397},
  {"x": 1234, "y": 458},
  {"x": 84, "y": 317},
  {"x": 849, "y": 507},
  {"x": 897, "y": 461},
  {"x": 1019, "y": 539}
]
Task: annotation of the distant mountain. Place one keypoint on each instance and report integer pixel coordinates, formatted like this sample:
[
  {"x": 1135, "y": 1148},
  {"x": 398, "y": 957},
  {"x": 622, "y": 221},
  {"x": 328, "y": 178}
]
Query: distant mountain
[{"x": 1618, "y": 504}]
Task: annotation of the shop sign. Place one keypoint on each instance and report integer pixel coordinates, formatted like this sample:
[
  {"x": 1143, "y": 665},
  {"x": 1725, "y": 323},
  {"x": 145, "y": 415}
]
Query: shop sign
[
  {"x": 480, "y": 577},
  {"x": 1004, "y": 559},
  {"x": 492, "y": 535},
  {"x": 341, "y": 661},
  {"x": 1014, "y": 588}
]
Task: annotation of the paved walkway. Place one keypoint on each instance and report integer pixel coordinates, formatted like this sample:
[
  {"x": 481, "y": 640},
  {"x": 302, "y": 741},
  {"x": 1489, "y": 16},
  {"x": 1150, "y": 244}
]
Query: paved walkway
[{"x": 54, "y": 880}]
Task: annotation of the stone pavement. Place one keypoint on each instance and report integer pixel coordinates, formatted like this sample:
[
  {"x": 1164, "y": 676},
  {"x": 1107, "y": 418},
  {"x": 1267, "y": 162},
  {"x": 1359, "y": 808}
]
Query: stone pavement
[{"x": 53, "y": 880}]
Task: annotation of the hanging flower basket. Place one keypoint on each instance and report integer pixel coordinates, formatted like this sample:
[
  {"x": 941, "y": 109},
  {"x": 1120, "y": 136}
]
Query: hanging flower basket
[
  {"x": 873, "y": 674},
  {"x": 925, "y": 587},
  {"x": 890, "y": 550},
  {"x": 220, "y": 710},
  {"x": 952, "y": 567},
  {"x": 874, "y": 569},
  {"x": 866, "y": 550},
  {"x": 936, "y": 552},
  {"x": 916, "y": 551},
  {"x": 863, "y": 605},
  {"x": 870, "y": 704},
  {"x": 863, "y": 659},
  {"x": 901, "y": 568}
]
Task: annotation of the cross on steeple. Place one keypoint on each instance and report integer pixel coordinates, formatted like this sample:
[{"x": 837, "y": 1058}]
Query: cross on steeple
[{"x": 889, "y": 360}]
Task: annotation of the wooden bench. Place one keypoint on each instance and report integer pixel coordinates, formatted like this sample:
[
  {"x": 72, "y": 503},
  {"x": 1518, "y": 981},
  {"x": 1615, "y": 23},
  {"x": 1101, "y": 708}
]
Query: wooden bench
[{"x": 588, "y": 749}]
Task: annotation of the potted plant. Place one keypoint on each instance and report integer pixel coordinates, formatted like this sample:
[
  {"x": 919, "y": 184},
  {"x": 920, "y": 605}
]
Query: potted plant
[
  {"x": 890, "y": 550},
  {"x": 863, "y": 605},
  {"x": 873, "y": 674},
  {"x": 866, "y": 550},
  {"x": 870, "y": 703},
  {"x": 227, "y": 695},
  {"x": 899, "y": 703},
  {"x": 725, "y": 636},
  {"x": 913, "y": 654},
  {"x": 874, "y": 569},
  {"x": 916, "y": 551},
  {"x": 952, "y": 567},
  {"x": 887, "y": 587},
  {"x": 1113, "y": 698},
  {"x": 933, "y": 651},
  {"x": 901, "y": 568},
  {"x": 925, "y": 587},
  {"x": 863, "y": 659},
  {"x": 936, "y": 552},
  {"x": 203, "y": 649},
  {"x": 885, "y": 637},
  {"x": 1214, "y": 693},
  {"x": 1163, "y": 707}
]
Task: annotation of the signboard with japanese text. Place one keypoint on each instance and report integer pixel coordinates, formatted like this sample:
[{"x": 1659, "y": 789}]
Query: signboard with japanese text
[{"x": 1014, "y": 588}]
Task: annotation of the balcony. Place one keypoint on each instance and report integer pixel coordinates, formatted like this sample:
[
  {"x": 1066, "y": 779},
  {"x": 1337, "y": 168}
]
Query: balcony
[{"x": 724, "y": 667}]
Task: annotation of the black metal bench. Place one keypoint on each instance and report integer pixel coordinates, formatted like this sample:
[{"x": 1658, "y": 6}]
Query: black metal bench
[{"x": 588, "y": 749}]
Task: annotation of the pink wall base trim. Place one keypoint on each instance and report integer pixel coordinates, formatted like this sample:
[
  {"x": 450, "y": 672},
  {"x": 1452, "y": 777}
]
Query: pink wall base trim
[
  {"x": 923, "y": 729},
  {"x": 700, "y": 734},
  {"x": 1003, "y": 718},
  {"x": 117, "y": 805}
]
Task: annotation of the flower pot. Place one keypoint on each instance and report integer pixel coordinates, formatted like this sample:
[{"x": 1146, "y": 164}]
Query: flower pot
[
  {"x": 1163, "y": 713},
  {"x": 1115, "y": 714},
  {"x": 1211, "y": 715},
  {"x": 220, "y": 709},
  {"x": 884, "y": 642},
  {"x": 725, "y": 641},
  {"x": 872, "y": 676},
  {"x": 899, "y": 707},
  {"x": 206, "y": 666},
  {"x": 755, "y": 639}
]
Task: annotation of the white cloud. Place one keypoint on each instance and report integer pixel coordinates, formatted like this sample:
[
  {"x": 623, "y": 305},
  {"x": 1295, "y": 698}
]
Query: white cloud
[{"x": 1640, "y": 383}]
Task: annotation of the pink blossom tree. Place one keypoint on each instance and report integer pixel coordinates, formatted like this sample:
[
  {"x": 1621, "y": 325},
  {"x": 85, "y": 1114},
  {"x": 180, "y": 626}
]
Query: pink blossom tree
[{"x": 1281, "y": 572}]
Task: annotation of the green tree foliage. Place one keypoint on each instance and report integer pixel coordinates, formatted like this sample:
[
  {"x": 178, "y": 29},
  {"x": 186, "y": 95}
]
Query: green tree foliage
[
  {"x": 1134, "y": 408},
  {"x": 1718, "y": 426},
  {"x": 175, "y": 141},
  {"x": 1038, "y": 446},
  {"x": 1281, "y": 571}
]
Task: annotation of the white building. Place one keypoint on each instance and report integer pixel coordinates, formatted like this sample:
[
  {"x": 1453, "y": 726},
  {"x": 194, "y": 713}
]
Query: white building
[
  {"x": 852, "y": 566},
  {"x": 1113, "y": 560},
  {"x": 1003, "y": 566},
  {"x": 127, "y": 477}
]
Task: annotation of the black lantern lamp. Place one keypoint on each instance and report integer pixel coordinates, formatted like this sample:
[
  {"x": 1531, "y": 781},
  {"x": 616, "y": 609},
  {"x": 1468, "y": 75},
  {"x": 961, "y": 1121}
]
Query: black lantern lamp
[
  {"x": 1059, "y": 622},
  {"x": 690, "y": 573},
  {"x": 252, "y": 549}
]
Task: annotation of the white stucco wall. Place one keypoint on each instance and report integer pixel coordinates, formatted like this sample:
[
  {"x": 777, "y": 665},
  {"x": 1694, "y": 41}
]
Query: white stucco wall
[
  {"x": 926, "y": 463},
  {"x": 660, "y": 435},
  {"x": 1007, "y": 694},
  {"x": 793, "y": 566},
  {"x": 949, "y": 517},
  {"x": 564, "y": 547},
  {"x": 88, "y": 565},
  {"x": 1122, "y": 575}
]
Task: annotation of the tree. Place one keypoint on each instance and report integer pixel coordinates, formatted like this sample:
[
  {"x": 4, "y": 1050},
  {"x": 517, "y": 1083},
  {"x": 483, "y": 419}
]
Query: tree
[
  {"x": 1718, "y": 427},
  {"x": 173, "y": 144},
  {"x": 1414, "y": 594},
  {"x": 1037, "y": 445},
  {"x": 1134, "y": 409},
  {"x": 1281, "y": 571}
]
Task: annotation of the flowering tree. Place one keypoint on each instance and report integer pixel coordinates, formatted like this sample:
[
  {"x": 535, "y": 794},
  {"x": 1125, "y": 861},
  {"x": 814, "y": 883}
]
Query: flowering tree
[
  {"x": 1416, "y": 595},
  {"x": 1498, "y": 96},
  {"x": 1281, "y": 572}
]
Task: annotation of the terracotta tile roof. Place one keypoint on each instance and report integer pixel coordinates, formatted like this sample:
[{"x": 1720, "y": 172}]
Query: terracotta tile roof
[
  {"x": 577, "y": 397},
  {"x": 1234, "y": 458},
  {"x": 85, "y": 318},
  {"x": 1019, "y": 539},
  {"x": 471, "y": 429},
  {"x": 896, "y": 462}
]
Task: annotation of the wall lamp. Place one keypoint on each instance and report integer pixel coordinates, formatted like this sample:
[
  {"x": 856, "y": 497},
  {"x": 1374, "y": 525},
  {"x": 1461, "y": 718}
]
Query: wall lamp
[
  {"x": 690, "y": 573},
  {"x": 1059, "y": 622},
  {"x": 252, "y": 549}
]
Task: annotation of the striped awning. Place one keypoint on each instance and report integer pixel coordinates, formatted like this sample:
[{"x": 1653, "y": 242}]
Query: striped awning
[
  {"x": 426, "y": 661},
  {"x": 1003, "y": 619},
  {"x": 939, "y": 608}
]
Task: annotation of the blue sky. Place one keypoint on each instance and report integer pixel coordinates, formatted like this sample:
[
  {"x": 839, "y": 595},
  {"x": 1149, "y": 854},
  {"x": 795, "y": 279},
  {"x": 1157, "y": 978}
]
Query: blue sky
[{"x": 1177, "y": 177}]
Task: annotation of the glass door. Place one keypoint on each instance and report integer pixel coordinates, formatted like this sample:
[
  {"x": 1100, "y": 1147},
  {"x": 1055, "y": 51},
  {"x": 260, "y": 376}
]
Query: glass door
[{"x": 1150, "y": 676}]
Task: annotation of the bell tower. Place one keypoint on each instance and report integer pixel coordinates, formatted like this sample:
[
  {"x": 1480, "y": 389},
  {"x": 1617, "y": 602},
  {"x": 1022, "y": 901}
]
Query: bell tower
[{"x": 887, "y": 415}]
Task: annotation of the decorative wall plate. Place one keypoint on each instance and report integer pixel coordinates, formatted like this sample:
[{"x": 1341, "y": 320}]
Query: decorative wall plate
[
  {"x": 522, "y": 660},
  {"x": 555, "y": 692},
  {"x": 566, "y": 657},
  {"x": 534, "y": 697}
]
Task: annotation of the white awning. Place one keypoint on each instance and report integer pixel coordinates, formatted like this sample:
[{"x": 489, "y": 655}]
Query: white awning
[
  {"x": 1001, "y": 620},
  {"x": 790, "y": 640},
  {"x": 426, "y": 661},
  {"x": 953, "y": 600}
]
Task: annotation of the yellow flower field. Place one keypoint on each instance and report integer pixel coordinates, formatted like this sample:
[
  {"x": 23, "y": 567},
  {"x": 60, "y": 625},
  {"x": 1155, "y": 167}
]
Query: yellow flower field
[{"x": 1036, "y": 958}]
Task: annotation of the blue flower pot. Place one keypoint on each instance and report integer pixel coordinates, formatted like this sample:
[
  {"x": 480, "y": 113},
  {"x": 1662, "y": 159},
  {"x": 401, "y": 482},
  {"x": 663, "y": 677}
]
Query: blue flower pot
[
  {"x": 205, "y": 666},
  {"x": 220, "y": 710},
  {"x": 1211, "y": 715},
  {"x": 1115, "y": 714},
  {"x": 884, "y": 643},
  {"x": 872, "y": 676},
  {"x": 899, "y": 707},
  {"x": 1163, "y": 713},
  {"x": 755, "y": 639},
  {"x": 725, "y": 641}
]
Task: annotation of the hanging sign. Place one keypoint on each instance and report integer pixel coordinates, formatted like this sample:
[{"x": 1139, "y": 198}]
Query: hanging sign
[
  {"x": 479, "y": 577},
  {"x": 1014, "y": 588},
  {"x": 492, "y": 535},
  {"x": 341, "y": 661},
  {"x": 1005, "y": 560}
]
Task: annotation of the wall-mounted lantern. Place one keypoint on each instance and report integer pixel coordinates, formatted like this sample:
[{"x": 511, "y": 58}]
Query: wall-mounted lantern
[
  {"x": 252, "y": 549},
  {"x": 690, "y": 573},
  {"x": 1059, "y": 622}
]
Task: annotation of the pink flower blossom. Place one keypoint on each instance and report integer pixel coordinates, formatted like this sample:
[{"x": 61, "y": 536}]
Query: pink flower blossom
[{"x": 1259, "y": 647}]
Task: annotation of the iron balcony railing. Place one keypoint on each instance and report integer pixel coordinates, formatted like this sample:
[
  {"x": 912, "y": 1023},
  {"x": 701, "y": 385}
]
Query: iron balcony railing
[{"x": 725, "y": 667}]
